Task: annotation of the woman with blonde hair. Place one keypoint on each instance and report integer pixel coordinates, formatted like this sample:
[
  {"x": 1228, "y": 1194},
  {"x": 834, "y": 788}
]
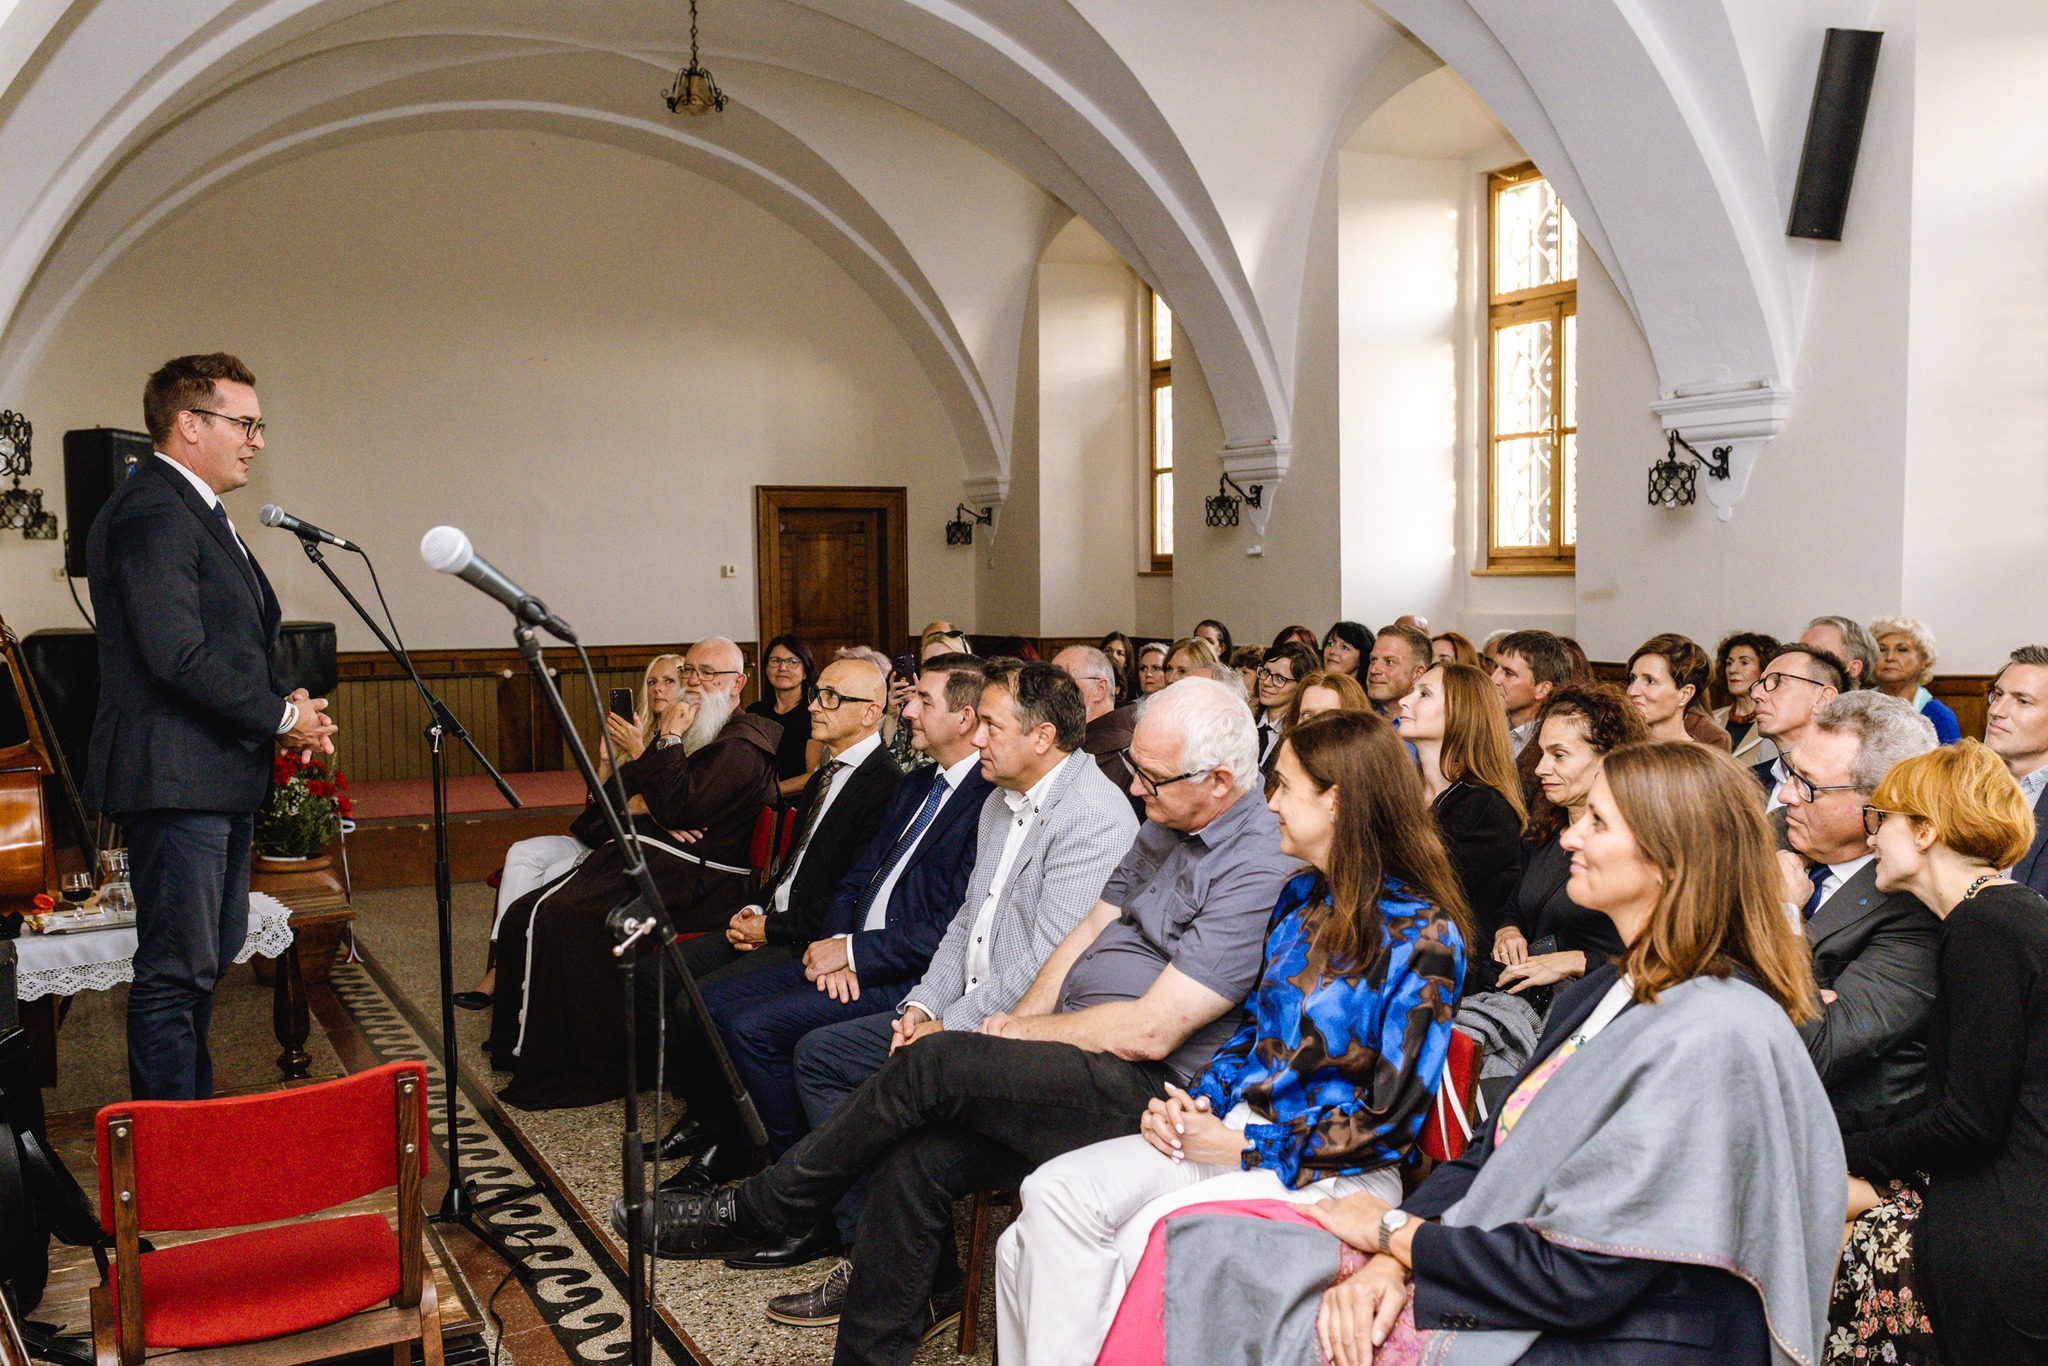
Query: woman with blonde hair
[
  {"x": 1905, "y": 666},
  {"x": 1324, "y": 691},
  {"x": 1661, "y": 1187},
  {"x": 1950, "y": 1193},
  {"x": 1191, "y": 655},
  {"x": 1458, "y": 725}
]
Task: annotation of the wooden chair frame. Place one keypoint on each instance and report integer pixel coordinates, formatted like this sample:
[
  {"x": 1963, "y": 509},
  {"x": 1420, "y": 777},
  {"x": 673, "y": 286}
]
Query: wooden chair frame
[
  {"x": 977, "y": 1258},
  {"x": 413, "y": 1315}
]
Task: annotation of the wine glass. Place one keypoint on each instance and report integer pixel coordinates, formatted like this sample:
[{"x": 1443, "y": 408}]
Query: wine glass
[{"x": 77, "y": 888}]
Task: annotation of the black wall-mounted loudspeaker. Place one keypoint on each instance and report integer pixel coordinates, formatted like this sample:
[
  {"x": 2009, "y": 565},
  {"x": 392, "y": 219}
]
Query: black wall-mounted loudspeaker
[
  {"x": 1834, "y": 131},
  {"x": 96, "y": 460}
]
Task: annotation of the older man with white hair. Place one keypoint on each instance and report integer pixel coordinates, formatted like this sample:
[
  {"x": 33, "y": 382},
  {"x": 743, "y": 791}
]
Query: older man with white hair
[
  {"x": 557, "y": 1022},
  {"x": 1138, "y": 996},
  {"x": 1109, "y": 726}
]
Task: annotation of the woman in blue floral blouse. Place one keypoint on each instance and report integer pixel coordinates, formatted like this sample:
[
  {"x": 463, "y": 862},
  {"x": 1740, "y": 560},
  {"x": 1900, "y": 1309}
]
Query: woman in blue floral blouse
[{"x": 1323, "y": 1089}]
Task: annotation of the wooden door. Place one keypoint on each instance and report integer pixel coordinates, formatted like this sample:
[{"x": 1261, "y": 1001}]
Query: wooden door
[{"x": 830, "y": 567}]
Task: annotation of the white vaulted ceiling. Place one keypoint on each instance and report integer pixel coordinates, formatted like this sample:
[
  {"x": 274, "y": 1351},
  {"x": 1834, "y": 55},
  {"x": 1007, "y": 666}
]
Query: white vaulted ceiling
[{"x": 933, "y": 147}]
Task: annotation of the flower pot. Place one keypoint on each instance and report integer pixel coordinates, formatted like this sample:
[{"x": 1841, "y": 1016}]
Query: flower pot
[{"x": 320, "y": 909}]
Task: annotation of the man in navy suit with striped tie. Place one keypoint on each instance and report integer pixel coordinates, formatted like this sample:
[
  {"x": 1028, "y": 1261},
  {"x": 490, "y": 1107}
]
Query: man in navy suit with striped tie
[{"x": 884, "y": 922}]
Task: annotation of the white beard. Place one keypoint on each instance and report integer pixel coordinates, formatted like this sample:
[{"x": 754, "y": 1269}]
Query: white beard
[{"x": 713, "y": 711}]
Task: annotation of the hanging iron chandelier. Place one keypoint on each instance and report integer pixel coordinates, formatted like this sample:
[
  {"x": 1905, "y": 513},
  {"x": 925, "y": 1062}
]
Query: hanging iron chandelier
[{"x": 694, "y": 91}]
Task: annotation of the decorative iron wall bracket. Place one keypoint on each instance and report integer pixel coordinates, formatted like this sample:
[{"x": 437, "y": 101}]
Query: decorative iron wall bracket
[{"x": 1740, "y": 418}]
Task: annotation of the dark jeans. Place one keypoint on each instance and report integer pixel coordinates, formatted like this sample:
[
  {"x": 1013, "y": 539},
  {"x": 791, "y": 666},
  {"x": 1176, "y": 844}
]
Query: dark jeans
[
  {"x": 190, "y": 871},
  {"x": 693, "y": 1073},
  {"x": 831, "y": 1063},
  {"x": 952, "y": 1114},
  {"x": 761, "y": 1017}
]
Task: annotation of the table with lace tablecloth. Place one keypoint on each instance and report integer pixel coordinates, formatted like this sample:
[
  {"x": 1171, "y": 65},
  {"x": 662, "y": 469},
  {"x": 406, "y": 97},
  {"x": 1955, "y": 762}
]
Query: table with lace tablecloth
[{"x": 53, "y": 967}]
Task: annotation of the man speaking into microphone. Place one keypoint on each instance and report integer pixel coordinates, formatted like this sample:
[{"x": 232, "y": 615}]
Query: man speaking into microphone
[{"x": 190, "y": 712}]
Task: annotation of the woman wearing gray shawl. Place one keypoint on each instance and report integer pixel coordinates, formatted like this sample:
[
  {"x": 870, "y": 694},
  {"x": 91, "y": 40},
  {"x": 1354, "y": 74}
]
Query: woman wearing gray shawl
[{"x": 1664, "y": 1185}]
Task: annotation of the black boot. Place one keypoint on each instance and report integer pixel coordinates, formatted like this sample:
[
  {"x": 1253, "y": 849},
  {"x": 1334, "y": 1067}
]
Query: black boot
[
  {"x": 821, "y": 1240},
  {"x": 712, "y": 1166},
  {"x": 685, "y": 1137},
  {"x": 699, "y": 1227}
]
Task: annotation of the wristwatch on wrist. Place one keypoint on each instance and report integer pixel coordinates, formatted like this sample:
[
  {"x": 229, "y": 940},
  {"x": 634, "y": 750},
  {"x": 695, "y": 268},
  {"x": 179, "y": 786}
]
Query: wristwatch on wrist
[{"x": 1391, "y": 1223}]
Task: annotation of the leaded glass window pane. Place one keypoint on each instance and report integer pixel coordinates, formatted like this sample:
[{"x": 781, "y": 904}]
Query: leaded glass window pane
[
  {"x": 1535, "y": 242},
  {"x": 1521, "y": 492},
  {"x": 1523, "y": 373}
]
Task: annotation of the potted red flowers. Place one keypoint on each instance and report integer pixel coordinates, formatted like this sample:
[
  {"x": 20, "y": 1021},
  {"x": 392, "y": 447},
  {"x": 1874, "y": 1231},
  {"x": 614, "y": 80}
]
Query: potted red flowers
[{"x": 307, "y": 802}]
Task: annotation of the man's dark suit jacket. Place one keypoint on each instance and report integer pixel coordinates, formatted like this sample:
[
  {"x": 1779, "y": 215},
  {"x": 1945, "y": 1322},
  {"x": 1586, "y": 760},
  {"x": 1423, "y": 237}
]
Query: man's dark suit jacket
[
  {"x": 1623, "y": 1311},
  {"x": 1878, "y": 953},
  {"x": 189, "y": 706},
  {"x": 928, "y": 891},
  {"x": 2033, "y": 869},
  {"x": 843, "y": 835},
  {"x": 1108, "y": 734}
]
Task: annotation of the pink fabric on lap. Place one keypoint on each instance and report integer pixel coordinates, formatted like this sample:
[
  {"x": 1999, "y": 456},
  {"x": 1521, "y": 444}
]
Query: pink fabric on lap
[{"x": 1137, "y": 1336}]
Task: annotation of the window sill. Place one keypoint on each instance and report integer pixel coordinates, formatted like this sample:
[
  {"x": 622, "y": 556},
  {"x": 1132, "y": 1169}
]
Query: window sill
[
  {"x": 1536, "y": 568},
  {"x": 1155, "y": 573}
]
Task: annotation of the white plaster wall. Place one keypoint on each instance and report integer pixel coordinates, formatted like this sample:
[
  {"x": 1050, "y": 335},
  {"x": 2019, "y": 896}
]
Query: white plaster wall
[
  {"x": 1821, "y": 527},
  {"x": 1976, "y": 486},
  {"x": 1089, "y": 419},
  {"x": 1006, "y": 560},
  {"x": 583, "y": 357}
]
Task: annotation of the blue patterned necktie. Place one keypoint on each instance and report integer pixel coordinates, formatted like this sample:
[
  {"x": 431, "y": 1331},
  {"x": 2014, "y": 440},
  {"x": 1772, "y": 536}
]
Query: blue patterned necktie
[
  {"x": 1818, "y": 875},
  {"x": 897, "y": 852}
]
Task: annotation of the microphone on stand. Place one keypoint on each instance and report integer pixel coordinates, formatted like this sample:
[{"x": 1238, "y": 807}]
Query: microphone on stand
[
  {"x": 447, "y": 549},
  {"x": 270, "y": 514}
]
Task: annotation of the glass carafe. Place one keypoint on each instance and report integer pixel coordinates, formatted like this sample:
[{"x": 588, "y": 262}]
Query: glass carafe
[{"x": 117, "y": 897}]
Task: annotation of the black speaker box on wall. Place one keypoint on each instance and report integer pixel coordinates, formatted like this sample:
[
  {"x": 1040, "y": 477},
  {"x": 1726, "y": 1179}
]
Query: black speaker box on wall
[
  {"x": 1834, "y": 132},
  {"x": 96, "y": 459}
]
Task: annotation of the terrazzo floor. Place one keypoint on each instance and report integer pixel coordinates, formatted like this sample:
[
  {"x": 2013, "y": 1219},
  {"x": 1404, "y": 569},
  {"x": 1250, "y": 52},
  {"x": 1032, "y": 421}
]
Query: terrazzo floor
[{"x": 719, "y": 1308}]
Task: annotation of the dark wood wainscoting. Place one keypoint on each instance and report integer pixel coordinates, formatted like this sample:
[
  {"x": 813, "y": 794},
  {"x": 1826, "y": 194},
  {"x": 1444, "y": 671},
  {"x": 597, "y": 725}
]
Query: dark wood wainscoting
[{"x": 492, "y": 694}]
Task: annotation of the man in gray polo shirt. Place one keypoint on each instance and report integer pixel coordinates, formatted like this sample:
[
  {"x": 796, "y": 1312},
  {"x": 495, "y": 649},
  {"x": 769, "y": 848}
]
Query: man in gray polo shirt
[{"x": 1139, "y": 994}]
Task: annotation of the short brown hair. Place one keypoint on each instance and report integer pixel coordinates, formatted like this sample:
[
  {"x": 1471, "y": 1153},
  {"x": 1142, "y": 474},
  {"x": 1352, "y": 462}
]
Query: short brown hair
[
  {"x": 1610, "y": 721},
  {"x": 1687, "y": 661},
  {"x": 1418, "y": 643},
  {"x": 1384, "y": 831},
  {"x": 1695, "y": 816},
  {"x": 1549, "y": 658},
  {"x": 1968, "y": 795},
  {"x": 186, "y": 385}
]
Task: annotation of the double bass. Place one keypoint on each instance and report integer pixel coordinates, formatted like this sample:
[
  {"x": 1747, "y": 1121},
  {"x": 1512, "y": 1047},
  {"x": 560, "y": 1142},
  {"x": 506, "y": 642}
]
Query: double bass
[{"x": 28, "y": 848}]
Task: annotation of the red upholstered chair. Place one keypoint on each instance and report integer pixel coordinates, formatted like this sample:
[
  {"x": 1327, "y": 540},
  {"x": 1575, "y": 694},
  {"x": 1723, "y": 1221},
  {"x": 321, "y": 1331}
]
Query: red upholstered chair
[
  {"x": 226, "y": 1164},
  {"x": 1449, "y": 1127}
]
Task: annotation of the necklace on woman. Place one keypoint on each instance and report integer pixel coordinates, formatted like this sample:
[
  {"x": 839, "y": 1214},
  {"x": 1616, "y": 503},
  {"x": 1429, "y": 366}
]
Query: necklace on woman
[{"x": 1979, "y": 885}]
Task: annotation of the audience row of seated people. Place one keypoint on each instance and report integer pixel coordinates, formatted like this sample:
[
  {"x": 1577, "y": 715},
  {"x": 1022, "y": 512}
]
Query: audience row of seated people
[{"x": 1235, "y": 1004}]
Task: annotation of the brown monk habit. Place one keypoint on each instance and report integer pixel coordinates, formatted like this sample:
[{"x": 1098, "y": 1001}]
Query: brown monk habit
[{"x": 555, "y": 965}]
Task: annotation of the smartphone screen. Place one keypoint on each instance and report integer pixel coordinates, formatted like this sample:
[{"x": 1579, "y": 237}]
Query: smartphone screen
[{"x": 622, "y": 703}]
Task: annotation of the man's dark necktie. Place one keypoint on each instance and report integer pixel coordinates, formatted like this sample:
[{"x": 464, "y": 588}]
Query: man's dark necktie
[
  {"x": 1817, "y": 874},
  {"x": 898, "y": 851},
  {"x": 241, "y": 550},
  {"x": 821, "y": 783}
]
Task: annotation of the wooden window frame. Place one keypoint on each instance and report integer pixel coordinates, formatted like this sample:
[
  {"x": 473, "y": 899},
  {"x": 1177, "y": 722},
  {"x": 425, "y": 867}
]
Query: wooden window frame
[
  {"x": 1556, "y": 303},
  {"x": 1161, "y": 373}
]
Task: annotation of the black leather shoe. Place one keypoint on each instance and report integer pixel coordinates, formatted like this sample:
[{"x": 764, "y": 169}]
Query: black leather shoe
[
  {"x": 711, "y": 1167},
  {"x": 698, "y": 1227},
  {"x": 821, "y": 1240},
  {"x": 473, "y": 1000},
  {"x": 684, "y": 1137}
]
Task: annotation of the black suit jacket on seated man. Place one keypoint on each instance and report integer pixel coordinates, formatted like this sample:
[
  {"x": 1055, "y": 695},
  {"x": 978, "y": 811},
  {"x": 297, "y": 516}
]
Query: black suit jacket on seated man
[
  {"x": 2032, "y": 870},
  {"x": 182, "y": 748},
  {"x": 953, "y": 1112},
  {"x": 1878, "y": 952},
  {"x": 842, "y": 835}
]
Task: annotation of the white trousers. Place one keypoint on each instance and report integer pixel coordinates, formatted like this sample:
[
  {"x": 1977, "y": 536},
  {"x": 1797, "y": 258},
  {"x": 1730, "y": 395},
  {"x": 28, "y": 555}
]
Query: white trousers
[
  {"x": 1063, "y": 1263},
  {"x": 534, "y": 863}
]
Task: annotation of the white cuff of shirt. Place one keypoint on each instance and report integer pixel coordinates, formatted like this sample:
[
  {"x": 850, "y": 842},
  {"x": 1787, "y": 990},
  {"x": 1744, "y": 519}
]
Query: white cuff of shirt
[
  {"x": 291, "y": 718},
  {"x": 929, "y": 1013},
  {"x": 849, "y": 953}
]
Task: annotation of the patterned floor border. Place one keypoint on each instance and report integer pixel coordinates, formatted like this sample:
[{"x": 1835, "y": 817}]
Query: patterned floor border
[{"x": 573, "y": 1277}]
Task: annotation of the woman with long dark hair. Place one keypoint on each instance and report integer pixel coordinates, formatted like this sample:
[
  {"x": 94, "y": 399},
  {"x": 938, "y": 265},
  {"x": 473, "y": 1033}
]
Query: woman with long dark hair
[
  {"x": 1123, "y": 657},
  {"x": 1459, "y": 727},
  {"x": 1345, "y": 648},
  {"x": 789, "y": 679},
  {"x": 1323, "y": 1089}
]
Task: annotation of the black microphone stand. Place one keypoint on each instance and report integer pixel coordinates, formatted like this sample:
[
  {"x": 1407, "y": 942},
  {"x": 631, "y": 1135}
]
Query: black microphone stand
[
  {"x": 460, "y": 1205},
  {"x": 642, "y": 916}
]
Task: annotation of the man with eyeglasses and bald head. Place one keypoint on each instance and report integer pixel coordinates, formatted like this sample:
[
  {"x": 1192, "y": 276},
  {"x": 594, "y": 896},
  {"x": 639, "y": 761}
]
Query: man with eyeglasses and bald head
[{"x": 557, "y": 1022}]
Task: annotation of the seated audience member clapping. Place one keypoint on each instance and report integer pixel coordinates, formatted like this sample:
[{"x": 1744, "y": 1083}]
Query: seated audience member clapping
[
  {"x": 1346, "y": 647},
  {"x": 1323, "y": 691},
  {"x": 1905, "y": 666},
  {"x": 1662, "y": 1186},
  {"x": 1456, "y": 723},
  {"x": 1324, "y": 1087},
  {"x": 1667, "y": 681},
  {"x": 1549, "y": 937},
  {"x": 1738, "y": 664},
  {"x": 535, "y": 862},
  {"x": 1959, "y": 1226},
  {"x": 1151, "y": 668},
  {"x": 1453, "y": 648},
  {"x": 1873, "y": 951}
]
